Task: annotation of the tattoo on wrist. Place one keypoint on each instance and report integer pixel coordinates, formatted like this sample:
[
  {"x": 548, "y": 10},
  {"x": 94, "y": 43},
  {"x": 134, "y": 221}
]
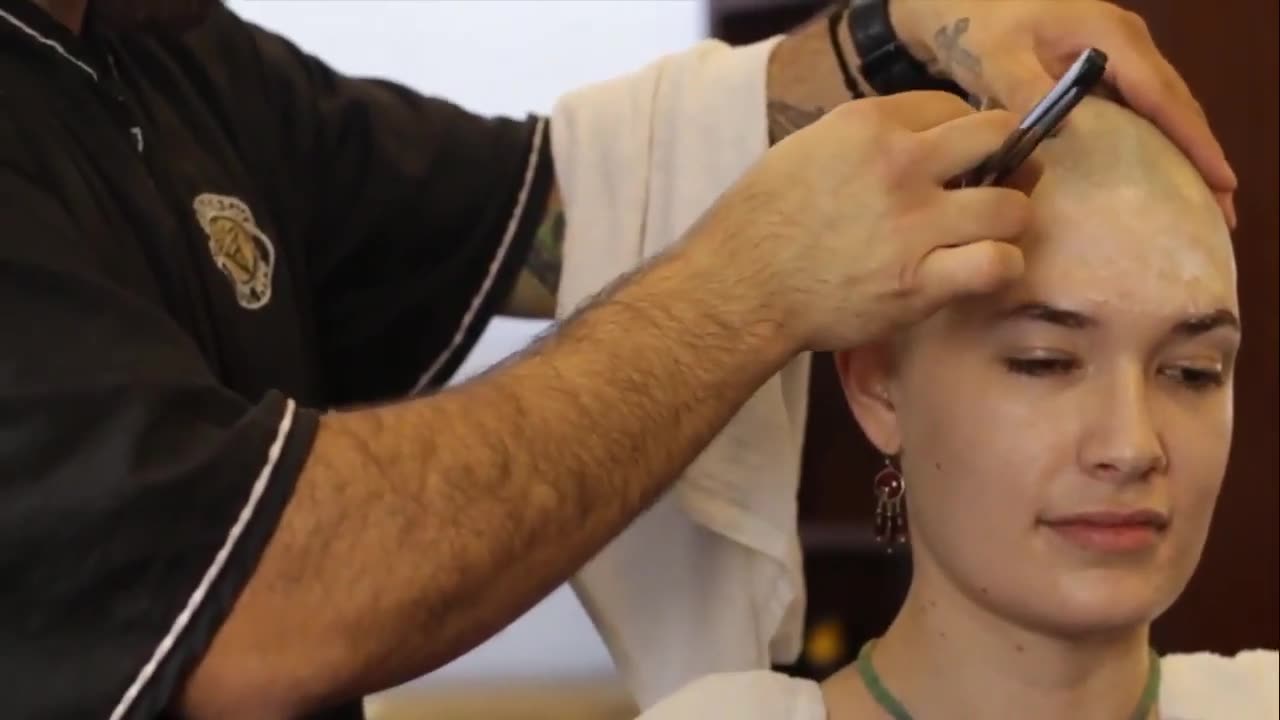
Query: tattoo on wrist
[
  {"x": 785, "y": 118},
  {"x": 548, "y": 252},
  {"x": 953, "y": 55}
]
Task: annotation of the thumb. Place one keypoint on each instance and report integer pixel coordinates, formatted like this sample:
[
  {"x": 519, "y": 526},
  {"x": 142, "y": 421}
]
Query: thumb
[{"x": 948, "y": 273}]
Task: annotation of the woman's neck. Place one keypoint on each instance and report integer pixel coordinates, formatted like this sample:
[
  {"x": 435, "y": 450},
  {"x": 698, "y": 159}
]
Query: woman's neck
[{"x": 944, "y": 656}]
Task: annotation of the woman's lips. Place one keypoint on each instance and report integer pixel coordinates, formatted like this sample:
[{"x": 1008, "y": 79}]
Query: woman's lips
[{"x": 1111, "y": 531}]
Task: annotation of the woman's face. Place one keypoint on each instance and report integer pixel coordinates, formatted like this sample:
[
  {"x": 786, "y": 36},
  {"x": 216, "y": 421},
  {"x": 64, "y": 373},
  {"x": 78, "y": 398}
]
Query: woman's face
[{"x": 1063, "y": 443}]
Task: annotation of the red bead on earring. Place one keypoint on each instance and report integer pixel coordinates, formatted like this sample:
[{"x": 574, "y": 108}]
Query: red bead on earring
[{"x": 891, "y": 521}]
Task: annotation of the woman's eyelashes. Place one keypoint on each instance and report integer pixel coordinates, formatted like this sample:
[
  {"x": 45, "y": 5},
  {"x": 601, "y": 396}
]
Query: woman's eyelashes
[
  {"x": 1041, "y": 365},
  {"x": 1196, "y": 377}
]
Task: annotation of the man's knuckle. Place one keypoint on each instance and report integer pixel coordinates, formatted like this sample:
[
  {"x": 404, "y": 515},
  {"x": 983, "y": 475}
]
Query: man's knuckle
[{"x": 898, "y": 157}]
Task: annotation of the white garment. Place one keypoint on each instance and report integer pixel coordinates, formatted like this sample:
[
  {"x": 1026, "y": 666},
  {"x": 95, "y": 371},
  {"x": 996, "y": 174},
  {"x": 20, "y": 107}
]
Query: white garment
[
  {"x": 710, "y": 579},
  {"x": 1197, "y": 686}
]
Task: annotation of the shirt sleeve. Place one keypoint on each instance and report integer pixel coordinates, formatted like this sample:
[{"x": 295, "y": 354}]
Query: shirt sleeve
[
  {"x": 136, "y": 493},
  {"x": 419, "y": 213}
]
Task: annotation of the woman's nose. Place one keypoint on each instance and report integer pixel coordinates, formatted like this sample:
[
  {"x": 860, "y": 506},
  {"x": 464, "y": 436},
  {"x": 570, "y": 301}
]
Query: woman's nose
[{"x": 1124, "y": 441}]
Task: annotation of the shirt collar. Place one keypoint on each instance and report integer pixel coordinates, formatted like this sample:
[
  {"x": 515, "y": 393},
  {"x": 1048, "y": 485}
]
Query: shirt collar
[{"x": 41, "y": 32}]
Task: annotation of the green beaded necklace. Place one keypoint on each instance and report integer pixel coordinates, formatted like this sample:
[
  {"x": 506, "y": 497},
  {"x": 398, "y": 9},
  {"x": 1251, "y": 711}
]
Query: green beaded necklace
[{"x": 890, "y": 704}]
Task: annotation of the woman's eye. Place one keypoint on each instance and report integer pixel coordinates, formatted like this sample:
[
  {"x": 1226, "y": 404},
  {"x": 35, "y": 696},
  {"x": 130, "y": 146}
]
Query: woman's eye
[
  {"x": 1195, "y": 378},
  {"x": 1041, "y": 366}
]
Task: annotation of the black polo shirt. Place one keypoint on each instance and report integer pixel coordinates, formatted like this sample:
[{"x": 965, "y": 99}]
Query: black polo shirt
[{"x": 205, "y": 241}]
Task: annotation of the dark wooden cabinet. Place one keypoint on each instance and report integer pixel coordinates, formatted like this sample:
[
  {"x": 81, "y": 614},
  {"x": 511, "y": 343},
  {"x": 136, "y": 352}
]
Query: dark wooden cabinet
[{"x": 1227, "y": 51}]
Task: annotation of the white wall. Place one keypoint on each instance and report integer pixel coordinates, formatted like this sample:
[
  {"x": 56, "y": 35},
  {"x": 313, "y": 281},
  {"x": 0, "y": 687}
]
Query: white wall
[
  {"x": 493, "y": 56},
  {"x": 508, "y": 57}
]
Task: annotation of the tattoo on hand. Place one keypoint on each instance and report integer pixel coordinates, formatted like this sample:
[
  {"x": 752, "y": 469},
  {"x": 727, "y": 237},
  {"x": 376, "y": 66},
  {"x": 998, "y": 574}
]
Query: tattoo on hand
[
  {"x": 548, "y": 252},
  {"x": 951, "y": 50},
  {"x": 785, "y": 118}
]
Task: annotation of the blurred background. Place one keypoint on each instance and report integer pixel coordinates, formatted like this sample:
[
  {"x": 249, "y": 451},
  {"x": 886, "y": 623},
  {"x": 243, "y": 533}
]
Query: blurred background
[{"x": 517, "y": 56}]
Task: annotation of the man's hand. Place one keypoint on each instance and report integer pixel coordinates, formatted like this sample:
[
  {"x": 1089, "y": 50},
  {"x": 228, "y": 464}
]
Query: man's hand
[
  {"x": 845, "y": 231},
  {"x": 1010, "y": 52},
  {"x": 1014, "y": 51}
]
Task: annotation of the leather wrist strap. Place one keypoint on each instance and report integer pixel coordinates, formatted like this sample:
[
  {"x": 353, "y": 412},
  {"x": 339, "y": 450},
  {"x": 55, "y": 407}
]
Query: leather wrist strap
[
  {"x": 886, "y": 65},
  {"x": 833, "y": 30}
]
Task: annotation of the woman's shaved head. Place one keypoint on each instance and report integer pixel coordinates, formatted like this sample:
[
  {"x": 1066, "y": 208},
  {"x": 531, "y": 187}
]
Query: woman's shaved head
[{"x": 1101, "y": 381}]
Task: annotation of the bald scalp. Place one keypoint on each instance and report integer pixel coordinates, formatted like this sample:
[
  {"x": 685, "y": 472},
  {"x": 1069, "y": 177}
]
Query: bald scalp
[
  {"x": 1105, "y": 148},
  {"x": 1115, "y": 192}
]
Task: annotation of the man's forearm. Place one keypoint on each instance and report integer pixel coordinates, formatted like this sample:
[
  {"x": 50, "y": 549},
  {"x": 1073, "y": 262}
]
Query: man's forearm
[
  {"x": 803, "y": 83},
  {"x": 805, "y": 80},
  {"x": 417, "y": 530}
]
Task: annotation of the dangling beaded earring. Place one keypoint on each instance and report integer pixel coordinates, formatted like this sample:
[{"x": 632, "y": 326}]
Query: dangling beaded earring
[{"x": 891, "y": 520}]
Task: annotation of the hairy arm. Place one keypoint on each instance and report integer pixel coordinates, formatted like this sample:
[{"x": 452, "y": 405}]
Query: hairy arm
[
  {"x": 419, "y": 529},
  {"x": 804, "y": 83},
  {"x": 804, "y": 80}
]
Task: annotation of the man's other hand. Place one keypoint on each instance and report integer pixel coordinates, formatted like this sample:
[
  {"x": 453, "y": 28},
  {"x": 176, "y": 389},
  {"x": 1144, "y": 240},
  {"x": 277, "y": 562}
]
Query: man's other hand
[{"x": 1013, "y": 51}]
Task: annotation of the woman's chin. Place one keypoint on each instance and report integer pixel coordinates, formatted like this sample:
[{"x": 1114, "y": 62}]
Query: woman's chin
[{"x": 1106, "y": 604}]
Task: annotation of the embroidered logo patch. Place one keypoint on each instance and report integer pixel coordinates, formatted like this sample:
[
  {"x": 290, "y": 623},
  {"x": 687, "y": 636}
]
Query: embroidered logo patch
[{"x": 240, "y": 250}]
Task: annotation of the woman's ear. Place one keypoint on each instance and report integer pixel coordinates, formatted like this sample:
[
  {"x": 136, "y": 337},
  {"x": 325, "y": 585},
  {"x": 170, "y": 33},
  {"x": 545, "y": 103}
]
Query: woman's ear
[{"x": 866, "y": 373}]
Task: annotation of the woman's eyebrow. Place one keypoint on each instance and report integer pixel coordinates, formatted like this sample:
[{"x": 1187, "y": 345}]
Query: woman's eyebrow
[
  {"x": 1043, "y": 312},
  {"x": 1192, "y": 326},
  {"x": 1206, "y": 322}
]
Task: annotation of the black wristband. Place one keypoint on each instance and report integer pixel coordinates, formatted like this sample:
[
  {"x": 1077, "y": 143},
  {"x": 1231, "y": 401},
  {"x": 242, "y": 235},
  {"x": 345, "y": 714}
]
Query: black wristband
[
  {"x": 850, "y": 82},
  {"x": 886, "y": 65}
]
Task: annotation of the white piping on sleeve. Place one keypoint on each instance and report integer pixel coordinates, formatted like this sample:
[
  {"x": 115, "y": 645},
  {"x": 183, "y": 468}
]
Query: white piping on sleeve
[
  {"x": 540, "y": 131},
  {"x": 215, "y": 568}
]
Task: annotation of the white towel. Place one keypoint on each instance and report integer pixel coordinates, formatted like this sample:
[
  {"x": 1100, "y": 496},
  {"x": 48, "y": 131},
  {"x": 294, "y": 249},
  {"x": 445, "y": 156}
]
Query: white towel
[
  {"x": 710, "y": 580},
  {"x": 1208, "y": 686}
]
